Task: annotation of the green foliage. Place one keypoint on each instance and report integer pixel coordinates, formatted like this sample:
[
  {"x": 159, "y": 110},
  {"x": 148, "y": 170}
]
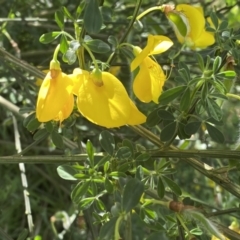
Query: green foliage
[{"x": 119, "y": 183}]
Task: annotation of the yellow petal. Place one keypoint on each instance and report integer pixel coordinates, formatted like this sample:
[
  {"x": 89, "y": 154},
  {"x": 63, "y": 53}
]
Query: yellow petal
[
  {"x": 136, "y": 117},
  {"x": 54, "y": 93},
  {"x": 206, "y": 39},
  {"x": 77, "y": 77},
  {"x": 147, "y": 85},
  {"x": 107, "y": 105},
  {"x": 156, "y": 44},
  {"x": 66, "y": 110},
  {"x": 195, "y": 18}
]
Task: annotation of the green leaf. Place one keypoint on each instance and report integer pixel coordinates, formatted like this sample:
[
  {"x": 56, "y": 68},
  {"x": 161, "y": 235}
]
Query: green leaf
[
  {"x": 192, "y": 127},
  {"x": 129, "y": 144},
  {"x": 29, "y": 118},
  {"x": 107, "y": 230},
  {"x": 171, "y": 94},
  {"x": 143, "y": 157},
  {"x": 98, "y": 46},
  {"x": 132, "y": 193},
  {"x": 108, "y": 185},
  {"x": 168, "y": 132},
  {"x": 66, "y": 172},
  {"x": 160, "y": 188},
  {"x": 196, "y": 231},
  {"x": 70, "y": 56},
  {"x": 107, "y": 142},
  {"x": 33, "y": 125},
  {"x": 113, "y": 41},
  {"x": 117, "y": 175},
  {"x": 49, "y": 37},
  {"x": 181, "y": 130},
  {"x": 63, "y": 44},
  {"x": 41, "y": 133},
  {"x": 67, "y": 13},
  {"x": 214, "y": 19},
  {"x": 215, "y": 134},
  {"x": 213, "y": 109},
  {"x": 165, "y": 115},
  {"x": 153, "y": 118},
  {"x": 23, "y": 235},
  {"x": 49, "y": 126},
  {"x": 85, "y": 203},
  {"x": 79, "y": 191},
  {"x": 90, "y": 152},
  {"x": 217, "y": 64},
  {"x": 92, "y": 17},
  {"x": 200, "y": 61},
  {"x": 172, "y": 185},
  {"x": 57, "y": 139},
  {"x": 59, "y": 18},
  {"x": 185, "y": 100},
  {"x": 223, "y": 25},
  {"x": 103, "y": 161},
  {"x": 124, "y": 153},
  {"x": 227, "y": 74},
  {"x": 139, "y": 173}
]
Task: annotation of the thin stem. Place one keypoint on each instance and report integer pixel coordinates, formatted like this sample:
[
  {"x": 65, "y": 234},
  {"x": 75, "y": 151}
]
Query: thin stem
[
  {"x": 148, "y": 11},
  {"x": 183, "y": 224},
  {"x": 91, "y": 55},
  {"x": 23, "y": 178},
  {"x": 233, "y": 96},
  {"x": 117, "y": 226}
]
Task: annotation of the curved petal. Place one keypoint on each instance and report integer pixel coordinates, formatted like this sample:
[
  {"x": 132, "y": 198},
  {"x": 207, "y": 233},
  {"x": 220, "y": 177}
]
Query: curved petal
[
  {"x": 54, "y": 93},
  {"x": 107, "y": 105},
  {"x": 140, "y": 56},
  {"x": 195, "y": 18},
  {"x": 206, "y": 39},
  {"x": 136, "y": 117},
  {"x": 160, "y": 44},
  {"x": 147, "y": 85},
  {"x": 78, "y": 76}
]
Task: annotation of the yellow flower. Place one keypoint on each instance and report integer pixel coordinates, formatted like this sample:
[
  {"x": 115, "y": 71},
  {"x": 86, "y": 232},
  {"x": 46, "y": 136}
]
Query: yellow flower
[
  {"x": 189, "y": 25},
  {"x": 55, "y": 99},
  {"x": 148, "y": 83},
  {"x": 107, "y": 105}
]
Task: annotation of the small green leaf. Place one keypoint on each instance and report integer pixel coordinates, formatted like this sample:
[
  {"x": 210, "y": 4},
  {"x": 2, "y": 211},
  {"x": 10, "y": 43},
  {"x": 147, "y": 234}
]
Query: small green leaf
[
  {"x": 79, "y": 191},
  {"x": 33, "y": 125},
  {"x": 124, "y": 153},
  {"x": 214, "y": 19},
  {"x": 143, "y": 157},
  {"x": 41, "y": 133},
  {"x": 113, "y": 41},
  {"x": 200, "y": 61},
  {"x": 107, "y": 230},
  {"x": 67, "y": 13},
  {"x": 153, "y": 118},
  {"x": 49, "y": 37},
  {"x": 129, "y": 144},
  {"x": 92, "y": 17},
  {"x": 160, "y": 188},
  {"x": 223, "y": 25},
  {"x": 63, "y": 44},
  {"x": 59, "y": 18},
  {"x": 66, "y": 172},
  {"x": 132, "y": 193},
  {"x": 171, "y": 94},
  {"x": 117, "y": 175},
  {"x": 107, "y": 142},
  {"x": 57, "y": 139},
  {"x": 192, "y": 127},
  {"x": 108, "y": 185},
  {"x": 172, "y": 185},
  {"x": 103, "y": 161},
  {"x": 213, "y": 109},
  {"x": 181, "y": 130},
  {"x": 227, "y": 74},
  {"x": 168, "y": 132},
  {"x": 49, "y": 126},
  {"x": 98, "y": 46},
  {"x": 90, "y": 152},
  {"x": 185, "y": 100},
  {"x": 23, "y": 235},
  {"x": 165, "y": 115},
  {"x": 215, "y": 134},
  {"x": 70, "y": 56},
  {"x": 85, "y": 203},
  {"x": 217, "y": 64}
]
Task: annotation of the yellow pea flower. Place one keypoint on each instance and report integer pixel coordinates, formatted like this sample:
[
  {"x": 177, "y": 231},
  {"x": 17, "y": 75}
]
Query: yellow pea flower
[
  {"x": 189, "y": 25},
  {"x": 55, "y": 99},
  {"x": 106, "y": 104},
  {"x": 148, "y": 83}
]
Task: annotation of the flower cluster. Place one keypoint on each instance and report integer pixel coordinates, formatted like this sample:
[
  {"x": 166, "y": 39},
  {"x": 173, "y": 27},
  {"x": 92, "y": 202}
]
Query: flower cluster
[{"x": 100, "y": 96}]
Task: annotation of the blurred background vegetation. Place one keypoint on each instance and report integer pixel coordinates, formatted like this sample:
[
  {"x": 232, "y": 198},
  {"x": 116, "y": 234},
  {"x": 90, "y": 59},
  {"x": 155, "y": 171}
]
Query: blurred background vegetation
[{"x": 21, "y": 25}]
